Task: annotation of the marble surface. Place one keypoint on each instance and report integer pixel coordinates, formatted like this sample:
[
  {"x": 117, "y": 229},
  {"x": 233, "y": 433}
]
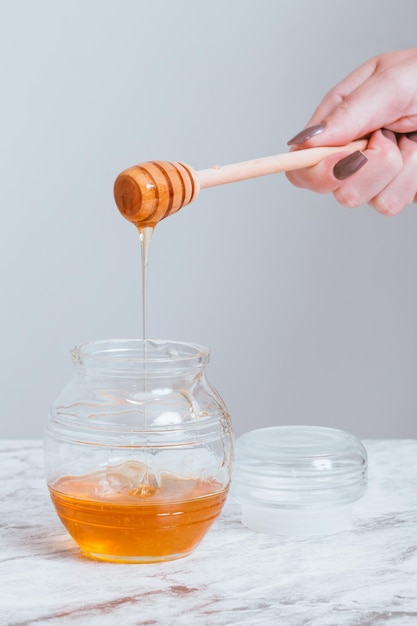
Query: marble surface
[{"x": 367, "y": 576}]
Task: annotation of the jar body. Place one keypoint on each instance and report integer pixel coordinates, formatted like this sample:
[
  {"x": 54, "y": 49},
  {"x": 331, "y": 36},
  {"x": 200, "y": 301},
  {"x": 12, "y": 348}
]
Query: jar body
[{"x": 138, "y": 450}]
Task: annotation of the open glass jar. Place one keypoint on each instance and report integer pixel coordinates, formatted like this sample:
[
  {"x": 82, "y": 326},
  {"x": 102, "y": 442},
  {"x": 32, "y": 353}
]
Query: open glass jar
[{"x": 138, "y": 450}]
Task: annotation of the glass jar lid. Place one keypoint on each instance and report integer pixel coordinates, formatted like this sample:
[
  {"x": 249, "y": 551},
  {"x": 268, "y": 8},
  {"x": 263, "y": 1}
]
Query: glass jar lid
[{"x": 298, "y": 468}]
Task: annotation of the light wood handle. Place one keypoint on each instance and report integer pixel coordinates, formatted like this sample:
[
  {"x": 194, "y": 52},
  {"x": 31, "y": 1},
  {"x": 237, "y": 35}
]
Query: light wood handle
[
  {"x": 221, "y": 175},
  {"x": 147, "y": 193}
]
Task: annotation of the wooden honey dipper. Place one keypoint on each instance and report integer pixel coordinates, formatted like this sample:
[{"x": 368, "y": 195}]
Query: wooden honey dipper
[{"x": 148, "y": 192}]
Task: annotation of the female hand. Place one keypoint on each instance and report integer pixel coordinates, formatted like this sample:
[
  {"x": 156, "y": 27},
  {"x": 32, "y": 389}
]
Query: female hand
[{"x": 378, "y": 100}]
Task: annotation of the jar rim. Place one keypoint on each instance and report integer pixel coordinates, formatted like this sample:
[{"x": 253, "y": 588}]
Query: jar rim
[{"x": 133, "y": 352}]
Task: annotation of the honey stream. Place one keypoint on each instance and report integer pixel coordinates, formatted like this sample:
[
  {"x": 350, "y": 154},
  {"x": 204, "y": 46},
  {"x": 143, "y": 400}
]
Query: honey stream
[{"x": 145, "y": 235}]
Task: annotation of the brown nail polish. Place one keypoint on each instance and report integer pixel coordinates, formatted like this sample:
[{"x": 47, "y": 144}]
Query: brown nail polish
[
  {"x": 306, "y": 134},
  {"x": 412, "y": 136},
  {"x": 349, "y": 165},
  {"x": 389, "y": 135}
]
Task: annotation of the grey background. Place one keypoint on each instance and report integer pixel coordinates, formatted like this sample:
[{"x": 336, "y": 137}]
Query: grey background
[{"x": 309, "y": 308}]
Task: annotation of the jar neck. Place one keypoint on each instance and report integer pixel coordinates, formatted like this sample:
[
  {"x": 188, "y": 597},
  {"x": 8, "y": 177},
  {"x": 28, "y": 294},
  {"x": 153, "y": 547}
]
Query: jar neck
[{"x": 137, "y": 359}]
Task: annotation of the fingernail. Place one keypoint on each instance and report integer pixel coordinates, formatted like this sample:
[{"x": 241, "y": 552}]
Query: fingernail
[
  {"x": 412, "y": 136},
  {"x": 305, "y": 134},
  {"x": 389, "y": 134},
  {"x": 349, "y": 165}
]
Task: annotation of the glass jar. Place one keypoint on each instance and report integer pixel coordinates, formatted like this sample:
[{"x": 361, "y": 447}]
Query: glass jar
[
  {"x": 138, "y": 450},
  {"x": 298, "y": 480}
]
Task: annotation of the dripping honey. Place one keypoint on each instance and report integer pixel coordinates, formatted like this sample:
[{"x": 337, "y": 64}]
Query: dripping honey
[{"x": 144, "y": 523}]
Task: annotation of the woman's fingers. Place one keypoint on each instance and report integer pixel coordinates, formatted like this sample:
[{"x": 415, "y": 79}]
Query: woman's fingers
[
  {"x": 356, "y": 178},
  {"x": 402, "y": 190},
  {"x": 321, "y": 177},
  {"x": 381, "y": 93},
  {"x": 383, "y": 166}
]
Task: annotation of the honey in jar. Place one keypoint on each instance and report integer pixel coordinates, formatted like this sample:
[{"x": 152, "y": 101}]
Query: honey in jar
[{"x": 124, "y": 512}]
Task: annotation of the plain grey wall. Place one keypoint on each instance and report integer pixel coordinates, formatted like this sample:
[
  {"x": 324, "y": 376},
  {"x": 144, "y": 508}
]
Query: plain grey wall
[{"x": 309, "y": 309}]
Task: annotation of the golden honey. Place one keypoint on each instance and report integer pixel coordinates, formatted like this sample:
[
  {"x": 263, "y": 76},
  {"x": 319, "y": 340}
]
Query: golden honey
[{"x": 114, "y": 517}]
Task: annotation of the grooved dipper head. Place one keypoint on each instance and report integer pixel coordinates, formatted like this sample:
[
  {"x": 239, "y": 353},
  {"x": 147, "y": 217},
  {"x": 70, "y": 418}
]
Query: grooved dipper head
[{"x": 146, "y": 193}]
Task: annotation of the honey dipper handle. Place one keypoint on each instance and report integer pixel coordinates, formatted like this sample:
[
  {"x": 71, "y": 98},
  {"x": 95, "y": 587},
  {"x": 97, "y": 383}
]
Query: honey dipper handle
[{"x": 223, "y": 174}]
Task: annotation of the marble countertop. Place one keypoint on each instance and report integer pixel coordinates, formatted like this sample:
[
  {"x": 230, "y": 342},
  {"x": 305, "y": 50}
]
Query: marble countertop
[{"x": 366, "y": 577}]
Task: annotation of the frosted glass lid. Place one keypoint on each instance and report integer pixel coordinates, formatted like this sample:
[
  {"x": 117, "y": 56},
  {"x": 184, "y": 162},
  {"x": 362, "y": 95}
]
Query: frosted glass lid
[{"x": 299, "y": 466}]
